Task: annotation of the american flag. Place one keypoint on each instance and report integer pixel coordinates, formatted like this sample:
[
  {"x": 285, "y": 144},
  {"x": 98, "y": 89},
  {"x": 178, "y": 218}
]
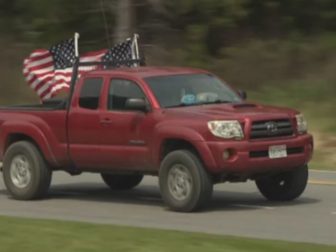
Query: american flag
[
  {"x": 121, "y": 52},
  {"x": 48, "y": 72}
]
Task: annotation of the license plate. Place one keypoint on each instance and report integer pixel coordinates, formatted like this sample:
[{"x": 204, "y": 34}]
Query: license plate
[{"x": 277, "y": 151}]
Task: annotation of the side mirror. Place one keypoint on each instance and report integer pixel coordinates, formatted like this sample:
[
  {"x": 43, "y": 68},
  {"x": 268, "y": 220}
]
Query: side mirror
[
  {"x": 139, "y": 104},
  {"x": 242, "y": 94}
]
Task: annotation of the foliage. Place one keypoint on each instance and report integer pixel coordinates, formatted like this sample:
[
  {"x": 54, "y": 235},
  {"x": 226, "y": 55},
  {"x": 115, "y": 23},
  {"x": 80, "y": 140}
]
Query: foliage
[
  {"x": 40, "y": 22},
  {"x": 218, "y": 23}
]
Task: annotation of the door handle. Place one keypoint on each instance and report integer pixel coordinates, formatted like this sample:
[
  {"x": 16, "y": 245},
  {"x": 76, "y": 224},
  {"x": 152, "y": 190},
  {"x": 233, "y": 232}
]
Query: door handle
[{"x": 106, "y": 121}]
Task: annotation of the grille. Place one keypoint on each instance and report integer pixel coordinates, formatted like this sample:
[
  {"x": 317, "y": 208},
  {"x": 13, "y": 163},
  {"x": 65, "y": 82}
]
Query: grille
[{"x": 271, "y": 128}]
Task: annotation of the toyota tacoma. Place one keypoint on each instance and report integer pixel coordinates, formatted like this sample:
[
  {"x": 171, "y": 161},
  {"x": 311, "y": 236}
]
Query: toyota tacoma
[{"x": 186, "y": 126}]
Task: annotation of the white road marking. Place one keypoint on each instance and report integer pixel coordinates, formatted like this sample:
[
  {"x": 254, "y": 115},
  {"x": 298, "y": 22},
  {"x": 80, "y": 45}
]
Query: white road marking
[
  {"x": 322, "y": 182},
  {"x": 334, "y": 213},
  {"x": 322, "y": 171},
  {"x": 253, "y": 206}
]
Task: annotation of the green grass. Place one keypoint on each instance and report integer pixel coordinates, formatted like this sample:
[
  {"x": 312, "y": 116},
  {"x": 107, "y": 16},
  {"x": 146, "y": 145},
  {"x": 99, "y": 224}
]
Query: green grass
[{"x": 18, "y": 234}]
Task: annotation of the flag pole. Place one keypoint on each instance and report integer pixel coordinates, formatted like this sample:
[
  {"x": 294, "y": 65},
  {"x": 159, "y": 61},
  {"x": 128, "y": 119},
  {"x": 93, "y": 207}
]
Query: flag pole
[
  {"x": 136, "y": 37},
  {"x": 135, "y": 48},
  {"x": 74, "y": 71},
  {"x": 76, "y": 44}
]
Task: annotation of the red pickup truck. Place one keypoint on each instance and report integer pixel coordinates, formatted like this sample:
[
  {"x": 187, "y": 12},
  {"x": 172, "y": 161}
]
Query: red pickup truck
[{"x": 184, "y": 125}]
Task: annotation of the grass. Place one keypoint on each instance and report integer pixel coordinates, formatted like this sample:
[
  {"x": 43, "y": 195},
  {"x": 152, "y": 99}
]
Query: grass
[{"x": 18, "y": 234}]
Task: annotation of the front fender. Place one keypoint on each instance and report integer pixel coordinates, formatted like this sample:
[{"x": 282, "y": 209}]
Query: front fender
[{"x": 182, "y": 133}]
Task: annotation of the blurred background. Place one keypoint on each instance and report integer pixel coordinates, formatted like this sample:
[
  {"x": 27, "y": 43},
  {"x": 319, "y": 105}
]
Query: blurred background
[{"x": 281, "y": 52}]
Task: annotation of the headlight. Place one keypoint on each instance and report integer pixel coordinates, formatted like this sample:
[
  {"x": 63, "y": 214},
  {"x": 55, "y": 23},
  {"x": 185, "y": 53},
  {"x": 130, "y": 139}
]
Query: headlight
[
  {"x": 301, "y": 124},
  {"x": 226, "y": 129}
]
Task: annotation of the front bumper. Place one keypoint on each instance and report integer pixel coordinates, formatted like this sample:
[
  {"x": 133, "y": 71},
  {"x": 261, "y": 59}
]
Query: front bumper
[{"x": 250, "y": 157}]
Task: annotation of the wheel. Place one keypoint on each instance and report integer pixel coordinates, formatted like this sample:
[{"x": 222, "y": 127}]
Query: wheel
[
  {"x": 184, "y": 184},
  {"x": 285, "y": 186},
  {"x": 121, "y": 181},
  {"x": 26, "y": 174}
]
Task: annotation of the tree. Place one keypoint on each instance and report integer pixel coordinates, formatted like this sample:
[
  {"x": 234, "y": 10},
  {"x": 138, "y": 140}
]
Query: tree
[{"x": 124, "y": 19}]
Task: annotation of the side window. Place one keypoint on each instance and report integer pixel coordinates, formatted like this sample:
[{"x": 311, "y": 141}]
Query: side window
[
  {"x": 90, "y": 93},
  {"x": 120, "y": 90}
]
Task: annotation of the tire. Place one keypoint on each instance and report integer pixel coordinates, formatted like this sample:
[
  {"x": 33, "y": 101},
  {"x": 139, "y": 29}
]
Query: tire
[
  {"x": 184, "y": 184},
  {"x": 121, "y": 182},
  {"x": 284, "y": 186},
  {"x": 26, "y": 174}
]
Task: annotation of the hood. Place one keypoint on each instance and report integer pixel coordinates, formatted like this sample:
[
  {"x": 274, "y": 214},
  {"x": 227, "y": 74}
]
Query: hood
[{"x": 237, "y": 111}]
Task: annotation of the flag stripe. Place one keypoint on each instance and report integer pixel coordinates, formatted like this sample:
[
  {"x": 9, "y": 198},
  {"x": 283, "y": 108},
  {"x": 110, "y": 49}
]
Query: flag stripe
[
  {"x": 45, "y": 80},
  {"x": 40, "y": 62}
]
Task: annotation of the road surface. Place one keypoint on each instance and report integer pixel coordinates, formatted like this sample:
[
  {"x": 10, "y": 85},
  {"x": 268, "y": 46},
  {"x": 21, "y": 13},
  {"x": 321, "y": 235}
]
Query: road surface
[{"x": 235, "y": 209}]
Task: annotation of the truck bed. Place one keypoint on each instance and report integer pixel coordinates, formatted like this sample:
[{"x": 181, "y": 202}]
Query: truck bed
[{"x": 45, "y": 123}]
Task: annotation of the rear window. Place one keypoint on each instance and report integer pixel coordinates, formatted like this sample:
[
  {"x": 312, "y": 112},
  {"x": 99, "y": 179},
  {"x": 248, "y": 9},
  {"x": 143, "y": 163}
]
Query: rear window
[{"x": 90, "y": 93}]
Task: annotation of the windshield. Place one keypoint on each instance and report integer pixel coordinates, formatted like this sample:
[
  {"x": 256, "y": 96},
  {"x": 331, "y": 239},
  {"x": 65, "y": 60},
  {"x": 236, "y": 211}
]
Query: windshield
[{"x": 191, "y": 89}]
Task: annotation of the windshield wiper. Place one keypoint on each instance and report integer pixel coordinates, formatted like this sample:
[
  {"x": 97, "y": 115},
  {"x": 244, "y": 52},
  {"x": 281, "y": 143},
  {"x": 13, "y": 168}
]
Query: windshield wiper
[
  {"x": 215, "y": 102},
  {"x": 198, "y": 104},
  {"x": 182, "y": 105}
]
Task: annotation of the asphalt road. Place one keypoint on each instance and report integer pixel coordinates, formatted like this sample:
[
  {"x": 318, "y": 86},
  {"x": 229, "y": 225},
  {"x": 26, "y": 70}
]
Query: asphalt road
[{"x": 235, "y": 209}]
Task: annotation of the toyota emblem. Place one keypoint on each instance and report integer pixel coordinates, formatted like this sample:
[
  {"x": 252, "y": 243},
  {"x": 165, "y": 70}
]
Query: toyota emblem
[{"x": 272, "y": 128}]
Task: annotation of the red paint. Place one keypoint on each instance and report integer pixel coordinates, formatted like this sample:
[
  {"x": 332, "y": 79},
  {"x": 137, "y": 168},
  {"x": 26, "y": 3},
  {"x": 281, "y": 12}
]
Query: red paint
[{"x": 113, "y": 140}]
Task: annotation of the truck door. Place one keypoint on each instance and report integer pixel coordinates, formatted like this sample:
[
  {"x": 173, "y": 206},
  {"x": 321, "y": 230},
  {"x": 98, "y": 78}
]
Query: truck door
[
  {"x": 125, "y": 131},
  {"x": 85, "y": 137},
  {"x": 103, "y": 134}
]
